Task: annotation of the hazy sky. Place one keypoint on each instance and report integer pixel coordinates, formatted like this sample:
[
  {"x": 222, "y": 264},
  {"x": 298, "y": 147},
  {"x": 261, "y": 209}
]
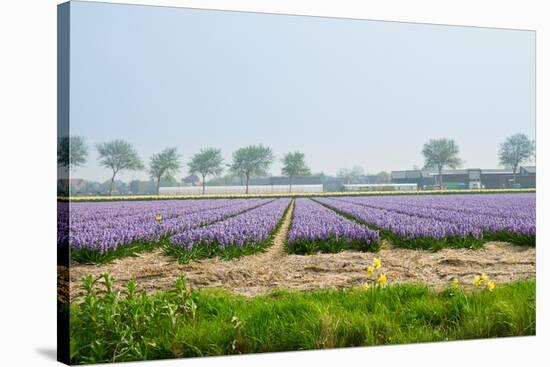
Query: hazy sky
[{"x": 345, "y": 92}]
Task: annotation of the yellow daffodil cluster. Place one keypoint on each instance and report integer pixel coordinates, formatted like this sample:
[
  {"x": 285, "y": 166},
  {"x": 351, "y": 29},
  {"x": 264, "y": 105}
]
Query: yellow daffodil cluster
[
  {"x": 456, "y": 282},
  {"x": 158, "y": 217},
  {"x": 483, "y": 281},
  {"x": 381, "y": 280}
]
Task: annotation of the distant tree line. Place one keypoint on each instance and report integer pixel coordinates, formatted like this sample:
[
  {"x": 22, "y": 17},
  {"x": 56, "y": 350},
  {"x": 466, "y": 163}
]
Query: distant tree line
[
  {"x": 119, "y": 155},
  {"x": 255, "y": 160},
  {"x": 514, "y": 151}
]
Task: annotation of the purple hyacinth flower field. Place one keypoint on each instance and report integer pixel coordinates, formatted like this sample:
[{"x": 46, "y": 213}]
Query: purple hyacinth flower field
[
  {"x": 317, "y": 228},
  {"x": 325, "y": 224},
  {"x": 247, "y": 229},
  {"x": 105, "y": 228},
  {"x": 439, "y": 220}
]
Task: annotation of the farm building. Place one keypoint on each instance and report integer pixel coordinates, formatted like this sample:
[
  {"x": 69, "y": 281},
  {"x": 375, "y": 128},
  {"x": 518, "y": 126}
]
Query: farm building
[
  {"x": 331, "y": 183},
  {"x": 258, "y": 185},
  {"x": 239, "y": 189},
  {"x": 497, "y": 178},
  {"x": 473, "y": 178},
  {"x": 282, "y": 180},
  {"x": 381, "y": 187},
  {"x": 421, "y": 178},
  {"x": 527, "y": 176}
]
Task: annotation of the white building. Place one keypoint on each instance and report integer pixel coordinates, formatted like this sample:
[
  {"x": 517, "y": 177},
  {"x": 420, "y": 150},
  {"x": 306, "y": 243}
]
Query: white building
[{"x": 236, "y": 190}]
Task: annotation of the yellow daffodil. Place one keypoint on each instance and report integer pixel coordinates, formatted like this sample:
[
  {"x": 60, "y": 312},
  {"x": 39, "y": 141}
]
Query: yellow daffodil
[
  {"x": 370, "y": 270},
  {"x": 491, "y": 285},
  {"x": 377, "y": 263},
  {"x": 366, "y": 285},
  {"x": 477, "y": 280},
  {"x": 382, "y": 279},
  {"x": 484, "y": 278},
  {"x": 158, "y": 218},
  {"x": 456, "y": 282}
]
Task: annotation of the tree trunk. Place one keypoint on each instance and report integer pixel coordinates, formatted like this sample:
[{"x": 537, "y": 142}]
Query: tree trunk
[
  {"x": 290, "y": 179},
  {"x": 247, "y": 178},
  {"x": 203, "y": 178},
  {"x": 112, "y": 184},
  {"x": 514, "y": 174},
  {"x": 440, "y": 178},
  {"x": 158, "y": 185}
]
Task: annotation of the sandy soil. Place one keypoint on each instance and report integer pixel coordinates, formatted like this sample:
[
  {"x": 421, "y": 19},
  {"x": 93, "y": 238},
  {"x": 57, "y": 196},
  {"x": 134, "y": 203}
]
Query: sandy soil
[{"x": 257, "y": 274}]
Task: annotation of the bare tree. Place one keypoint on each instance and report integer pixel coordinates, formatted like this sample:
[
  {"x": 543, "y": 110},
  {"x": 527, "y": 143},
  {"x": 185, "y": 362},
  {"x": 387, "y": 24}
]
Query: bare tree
[{"x": 350, "y": 175}]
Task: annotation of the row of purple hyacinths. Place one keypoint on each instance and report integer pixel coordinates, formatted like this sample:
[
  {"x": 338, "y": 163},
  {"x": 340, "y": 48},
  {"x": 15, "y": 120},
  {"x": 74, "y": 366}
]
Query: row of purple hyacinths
[
  {"x": 441, "y": 216},
  {"x": 104, "y": 226},
  {"x": 500, "y": 205},
  {"x": 248, "y": 229},
  {"x": 313, "y": 222},
  {"x": 107, "y": 225}
]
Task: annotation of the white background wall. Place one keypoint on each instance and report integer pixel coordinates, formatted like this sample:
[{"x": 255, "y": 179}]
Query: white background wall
[{"x": 27, "y": 209}]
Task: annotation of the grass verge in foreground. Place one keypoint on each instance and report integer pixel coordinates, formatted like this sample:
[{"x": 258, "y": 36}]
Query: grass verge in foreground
[{"x": 110, "y": 327}]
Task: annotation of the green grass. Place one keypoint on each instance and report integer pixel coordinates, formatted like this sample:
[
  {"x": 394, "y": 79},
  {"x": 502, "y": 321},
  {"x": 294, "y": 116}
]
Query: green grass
[
  {"x": 435, "y": 244},
  {"x": 203, "y": 251},
  {"x": 331, "y": 245},
  {"x": 432, "y": 244},
  {"x": 516, "y": 239},
  {"x": 94, "y": 256},
  {"x": 109, "y": 327}
]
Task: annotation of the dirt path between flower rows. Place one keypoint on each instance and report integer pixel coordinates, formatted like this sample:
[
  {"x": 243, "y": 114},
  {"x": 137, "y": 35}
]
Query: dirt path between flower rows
[{"x": 274, "y": 268}]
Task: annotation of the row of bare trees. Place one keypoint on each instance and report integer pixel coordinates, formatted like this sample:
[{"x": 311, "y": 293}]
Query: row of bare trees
[{"x": 119, "y": 155}]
